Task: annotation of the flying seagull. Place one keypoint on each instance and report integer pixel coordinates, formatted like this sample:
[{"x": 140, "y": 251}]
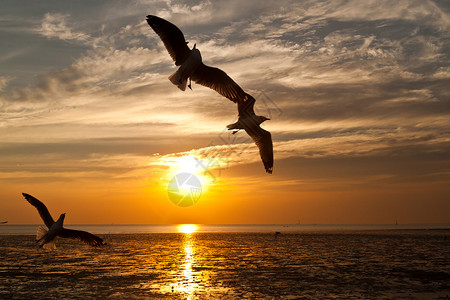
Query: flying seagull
[
  {"x": 4, "y": 222},
  {"x": 46, "y": 238},
  {"x": 192, "y": 68},
  {"x": 250, "y": 122},
  {"x": 190, "y": 62}
]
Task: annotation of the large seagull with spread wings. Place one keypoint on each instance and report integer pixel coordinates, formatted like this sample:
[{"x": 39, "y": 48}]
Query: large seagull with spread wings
[
  {"x": 46, "y": 238},
  {"x": 192, "y": 68}
]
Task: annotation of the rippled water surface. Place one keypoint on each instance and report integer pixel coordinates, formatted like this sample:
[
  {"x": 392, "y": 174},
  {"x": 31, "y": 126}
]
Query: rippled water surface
[{"x": 309, "y": 265}]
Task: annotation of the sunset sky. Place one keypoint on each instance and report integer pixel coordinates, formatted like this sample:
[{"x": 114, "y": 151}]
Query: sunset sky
[{"x": 357, "y": 92}]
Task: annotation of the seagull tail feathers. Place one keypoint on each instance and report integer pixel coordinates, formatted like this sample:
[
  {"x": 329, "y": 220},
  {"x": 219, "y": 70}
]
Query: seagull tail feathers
[
  {"x": 176, "y": 79},
  {"x": 40, "y": 233},
  {"x": 39, "y": 239}
]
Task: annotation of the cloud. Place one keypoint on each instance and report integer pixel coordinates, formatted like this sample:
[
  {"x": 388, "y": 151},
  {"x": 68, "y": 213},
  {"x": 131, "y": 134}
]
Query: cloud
[
  {"x": 412, "y": 10},
  {"x": 55, "y": 26},
  {"x": 175, "y": 7},
  {"x": 231, "y": 150},
  {"x": 3, "y": 82}
]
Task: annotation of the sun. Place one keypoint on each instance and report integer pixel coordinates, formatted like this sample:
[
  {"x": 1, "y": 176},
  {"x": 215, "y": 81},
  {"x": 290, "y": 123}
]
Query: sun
[
  {"x": 191, "y": 165},
  {"x": 187, "y": 178},
  {"x": 187, "y": 228},
  {"x": 188, "y": 164}
]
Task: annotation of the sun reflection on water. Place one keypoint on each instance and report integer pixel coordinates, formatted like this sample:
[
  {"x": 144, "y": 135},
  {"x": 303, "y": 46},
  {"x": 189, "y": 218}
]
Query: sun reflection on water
[
  {"x": 188, "y": 279},
  {"x": 187, "y": 228}
]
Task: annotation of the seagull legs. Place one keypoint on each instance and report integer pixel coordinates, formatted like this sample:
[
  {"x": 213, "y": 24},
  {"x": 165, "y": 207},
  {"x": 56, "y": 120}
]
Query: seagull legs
[
  {"x": 236, "y": 131},
  {"x": 189, "y": 85}
]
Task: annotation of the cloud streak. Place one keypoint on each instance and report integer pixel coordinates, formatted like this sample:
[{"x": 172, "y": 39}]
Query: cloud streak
[{"x": 55, "y": 26}]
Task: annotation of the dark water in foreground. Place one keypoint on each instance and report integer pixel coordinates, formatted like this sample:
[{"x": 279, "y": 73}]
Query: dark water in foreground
[{"x": 383, "y": 264}]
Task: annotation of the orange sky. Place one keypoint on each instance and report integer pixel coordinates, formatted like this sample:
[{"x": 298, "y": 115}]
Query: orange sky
[{"x": 358, "y": 101}]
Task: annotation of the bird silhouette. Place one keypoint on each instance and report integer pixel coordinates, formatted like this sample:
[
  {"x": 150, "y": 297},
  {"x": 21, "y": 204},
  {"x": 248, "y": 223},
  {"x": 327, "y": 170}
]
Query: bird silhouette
[
  {"x": 190, "y": 62},
  {"x": 192, "y": 68},
  {"x": 250, "y": 122},
  {"x": 46, "y": 238}
]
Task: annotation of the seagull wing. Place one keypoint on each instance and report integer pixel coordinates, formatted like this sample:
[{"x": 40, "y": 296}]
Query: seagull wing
[
  {"x": 83, "y": 236},
  {"x": 245, "y": 108},
  {"x": 219, "y": 81},
  {"x": 263, "y": 139},
  {"x": 42, "y": 209},
  {"x": 172, "y": 38}
]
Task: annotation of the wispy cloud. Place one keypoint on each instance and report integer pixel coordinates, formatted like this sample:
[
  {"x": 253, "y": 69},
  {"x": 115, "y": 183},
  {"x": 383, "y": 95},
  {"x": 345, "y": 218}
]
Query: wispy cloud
[
  {"x": 55, "y": 26},
  {"x": 3, "y": 82}
]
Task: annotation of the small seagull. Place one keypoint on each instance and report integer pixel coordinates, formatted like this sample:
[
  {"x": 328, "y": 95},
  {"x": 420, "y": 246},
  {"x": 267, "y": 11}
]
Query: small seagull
[
  {"x": 190, "y": 62},
  {"x": 250, "y": 123},
  {"x": 46, "y": 238}
]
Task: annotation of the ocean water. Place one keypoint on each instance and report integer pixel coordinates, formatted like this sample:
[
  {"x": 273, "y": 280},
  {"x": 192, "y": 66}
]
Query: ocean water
[
  {"x": 128, "y": 229},
  {"x": 331, "y": 263}
]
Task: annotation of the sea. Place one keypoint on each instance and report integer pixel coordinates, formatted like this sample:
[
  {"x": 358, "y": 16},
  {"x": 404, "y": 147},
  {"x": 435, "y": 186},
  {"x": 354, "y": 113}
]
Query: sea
[{"x": 230, "y": 262}]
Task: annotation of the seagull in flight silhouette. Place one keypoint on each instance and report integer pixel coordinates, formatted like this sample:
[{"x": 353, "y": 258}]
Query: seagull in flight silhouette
[
  {"x": 190, "y": 62},
  {"x": 46, "y": 238},
  {"x": 250, "y": 122},
  {"x": 192, "y": 68}
]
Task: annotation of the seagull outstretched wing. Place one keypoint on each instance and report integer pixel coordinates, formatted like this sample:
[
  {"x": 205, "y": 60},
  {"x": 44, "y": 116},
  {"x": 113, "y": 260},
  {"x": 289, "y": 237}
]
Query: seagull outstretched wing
[
  {"x": 83, "y": 236},
  {"x": 219, "y": 81},
  {"x": 172, "y": 38},
  {"x": 42, "y": 209},
  {"x": 263, "y": 139}
]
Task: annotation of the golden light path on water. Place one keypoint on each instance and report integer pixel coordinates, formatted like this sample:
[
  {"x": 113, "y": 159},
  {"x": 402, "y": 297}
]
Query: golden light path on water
[
  {"x": 188, "y": 281},
  {"x": 189, "y": 284}
]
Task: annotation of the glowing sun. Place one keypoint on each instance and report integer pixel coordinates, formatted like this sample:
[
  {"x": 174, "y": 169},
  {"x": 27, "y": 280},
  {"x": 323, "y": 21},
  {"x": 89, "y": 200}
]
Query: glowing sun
[{"x": 192, "y": 165}]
